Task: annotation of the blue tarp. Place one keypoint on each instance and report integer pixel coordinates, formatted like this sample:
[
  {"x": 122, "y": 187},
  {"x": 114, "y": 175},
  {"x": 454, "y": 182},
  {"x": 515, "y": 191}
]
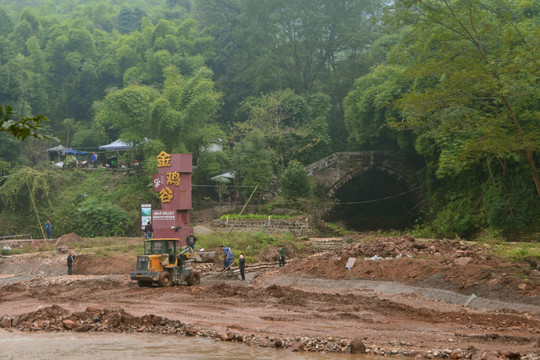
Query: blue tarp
[
  {"x": 65, "y": 150},
  {"x": 76, "y": 152}
]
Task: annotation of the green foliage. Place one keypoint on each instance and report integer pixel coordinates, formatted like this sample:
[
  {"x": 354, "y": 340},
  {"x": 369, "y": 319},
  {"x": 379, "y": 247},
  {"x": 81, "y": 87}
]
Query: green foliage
[
  {"x": 301, "y": 44},
  {"x": 459, "y": 76},
  {"x": 251, "y": 244},
  {"x": 151, "y": 150},
  {"x": 96, "y": 203},
  {"x": 23, "y": 127},
  {"x": 95, "y": 218},
  {"x": 472, "y": 65},
  {"x": 23, "y": 181},
  {"x": 458, "y": 218},
  {"x": 516, "y": 251},
  {"x": 129, "y": 20},
  {"x": 253, "y": 217},
  {"x": 516, "y": 209},
  {"x": 10, "y": 147},
  {"x": 128, "y": 110},
  {"x": 211, "y": 163},
  {"x": 180, "y": 116},
  {"x": 370, "y": 107},
  {"x": 292, "y": 125},
  {"x": 252, "y": 162},
  {"x": 295, "y": 182},
  {"x": 338, "y": 229}
]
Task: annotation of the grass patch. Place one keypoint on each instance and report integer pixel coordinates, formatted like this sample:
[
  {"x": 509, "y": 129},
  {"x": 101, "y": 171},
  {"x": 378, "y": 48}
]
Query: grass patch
[
  {"x": 518, "y": 251},
  {"x": 512, "y": 251},
  {"x": 251, "y": 244},
  {"x": 257, "y": 217},
  {"x": 109, "y": 246},
  {"x": 338, "y": 229}
]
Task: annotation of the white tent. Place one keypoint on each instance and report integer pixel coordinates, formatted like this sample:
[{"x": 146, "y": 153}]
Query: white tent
[
  {"x": 58, "y": 148},
  {"x": 225, "y": 178},
  {"x": 116, "y": 145}
]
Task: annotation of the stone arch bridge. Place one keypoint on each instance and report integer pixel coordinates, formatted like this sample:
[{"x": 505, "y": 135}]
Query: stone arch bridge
[{"x": 337, "y": 169}]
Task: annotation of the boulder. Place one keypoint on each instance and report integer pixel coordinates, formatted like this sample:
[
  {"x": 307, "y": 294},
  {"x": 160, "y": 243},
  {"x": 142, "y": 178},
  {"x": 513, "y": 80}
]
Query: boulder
[
  {"x": 5, "y": 322},
  {"x": 296, "y": 347},
  {"x": 462, "y": 261},
  {"x": 83, "y": 328},
  {"x": 358, "y": 347},
  {"x": 68, "y": 324}
]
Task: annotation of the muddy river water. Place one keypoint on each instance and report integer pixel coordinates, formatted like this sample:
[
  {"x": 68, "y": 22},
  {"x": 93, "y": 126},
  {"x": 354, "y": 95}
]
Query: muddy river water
[{"x": 20, "y": 345}]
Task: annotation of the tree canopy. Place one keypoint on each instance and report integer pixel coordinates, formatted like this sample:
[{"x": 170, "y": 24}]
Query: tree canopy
[{"x": 452, "y": 84}]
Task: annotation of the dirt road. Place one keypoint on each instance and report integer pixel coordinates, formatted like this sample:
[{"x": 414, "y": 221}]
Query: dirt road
[{"x": 409, "y": 305}]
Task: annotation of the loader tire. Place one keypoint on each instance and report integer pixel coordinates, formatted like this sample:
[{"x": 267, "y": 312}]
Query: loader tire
[
  {"x": 165, "y": 279},
  {"x": 194, "y": 278}
]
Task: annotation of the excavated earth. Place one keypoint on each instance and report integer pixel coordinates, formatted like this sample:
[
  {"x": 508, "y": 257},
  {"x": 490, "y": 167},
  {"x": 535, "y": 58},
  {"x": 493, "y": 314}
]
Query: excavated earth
[{"x": 401, "y": 296}]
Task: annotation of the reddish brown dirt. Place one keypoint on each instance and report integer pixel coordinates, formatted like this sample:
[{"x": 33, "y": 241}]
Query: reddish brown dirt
[{"x": 316, "y": 297}]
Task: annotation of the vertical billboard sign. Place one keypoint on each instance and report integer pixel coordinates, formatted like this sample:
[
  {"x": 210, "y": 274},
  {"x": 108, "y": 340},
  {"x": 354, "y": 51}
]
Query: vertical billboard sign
[
  {"x": 146, "y": 214},
  {"x": 173, "y": 183}
]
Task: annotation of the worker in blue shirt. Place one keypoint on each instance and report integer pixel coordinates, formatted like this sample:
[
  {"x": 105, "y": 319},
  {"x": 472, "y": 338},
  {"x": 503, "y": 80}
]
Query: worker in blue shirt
[{"x": 228, "y": 258}]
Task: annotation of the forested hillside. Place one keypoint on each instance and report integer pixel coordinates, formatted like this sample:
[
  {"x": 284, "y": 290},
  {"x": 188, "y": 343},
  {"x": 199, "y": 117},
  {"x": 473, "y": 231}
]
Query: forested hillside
[{"x": 276, "y": 85}]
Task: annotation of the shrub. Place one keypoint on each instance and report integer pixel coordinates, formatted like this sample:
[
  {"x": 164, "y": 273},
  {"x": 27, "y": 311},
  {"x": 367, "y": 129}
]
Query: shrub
[
  {"x": 100, "y": 218},
  {"x": 295, "y": 181}
]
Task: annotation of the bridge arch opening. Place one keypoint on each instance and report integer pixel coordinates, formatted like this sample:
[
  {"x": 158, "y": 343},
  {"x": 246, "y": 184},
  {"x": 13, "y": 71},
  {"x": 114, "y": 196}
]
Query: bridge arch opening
[{"x": 374, "y": 199}]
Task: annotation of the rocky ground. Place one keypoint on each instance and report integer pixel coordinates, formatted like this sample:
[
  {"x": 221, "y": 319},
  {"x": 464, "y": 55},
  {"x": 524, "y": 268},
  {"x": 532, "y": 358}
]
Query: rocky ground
[{"x": 401, "y": 296}]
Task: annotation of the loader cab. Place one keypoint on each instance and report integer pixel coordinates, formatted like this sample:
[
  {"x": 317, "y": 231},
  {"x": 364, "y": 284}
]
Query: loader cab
[
  {"x": 163, "y": 249},
  {"x": 160, "y": 246}
]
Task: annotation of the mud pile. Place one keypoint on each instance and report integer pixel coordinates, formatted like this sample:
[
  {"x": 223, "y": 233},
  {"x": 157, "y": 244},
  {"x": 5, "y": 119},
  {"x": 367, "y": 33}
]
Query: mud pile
[
  {"x": 272, "y": 255},
  {"x": 92, "y": 265},
  {"x": 408, "y": 245},
  {"x": 443, "y": 264},
  {"x": 69, "y": 239},
  {"x": 55, "y": 318}
]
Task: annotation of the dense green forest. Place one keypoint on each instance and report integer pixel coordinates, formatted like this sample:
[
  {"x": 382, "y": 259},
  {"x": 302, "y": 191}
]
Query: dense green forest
[{"x": 277, "y": 85}]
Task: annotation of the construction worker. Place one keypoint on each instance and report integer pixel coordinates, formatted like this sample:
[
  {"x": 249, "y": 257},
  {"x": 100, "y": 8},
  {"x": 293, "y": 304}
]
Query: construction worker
[
  {"x": 242, "y": 265},
  {"x": 49, "y": 228},
  {"x": 148, "y": 230},
  {"x": 70, "y": 259},
  {"x": 191, "y": 240},
  {"x": 228, "y": 258},
  {"x": 281, "y": 256}
]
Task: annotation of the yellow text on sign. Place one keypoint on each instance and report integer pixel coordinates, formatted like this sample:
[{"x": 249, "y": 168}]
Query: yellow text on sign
[
  {"x": 173, "y": 178},
  {"x": 163, "y": 159},
  {"x": 166, "y": 195}
]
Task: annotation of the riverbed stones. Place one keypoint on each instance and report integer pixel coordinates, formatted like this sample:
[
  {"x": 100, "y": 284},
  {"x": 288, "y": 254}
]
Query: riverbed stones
[{"x": 55, "y": 318}]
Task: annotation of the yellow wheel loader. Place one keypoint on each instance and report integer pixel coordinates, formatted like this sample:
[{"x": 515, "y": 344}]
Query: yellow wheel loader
[{"x": 165, "y": 264}]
